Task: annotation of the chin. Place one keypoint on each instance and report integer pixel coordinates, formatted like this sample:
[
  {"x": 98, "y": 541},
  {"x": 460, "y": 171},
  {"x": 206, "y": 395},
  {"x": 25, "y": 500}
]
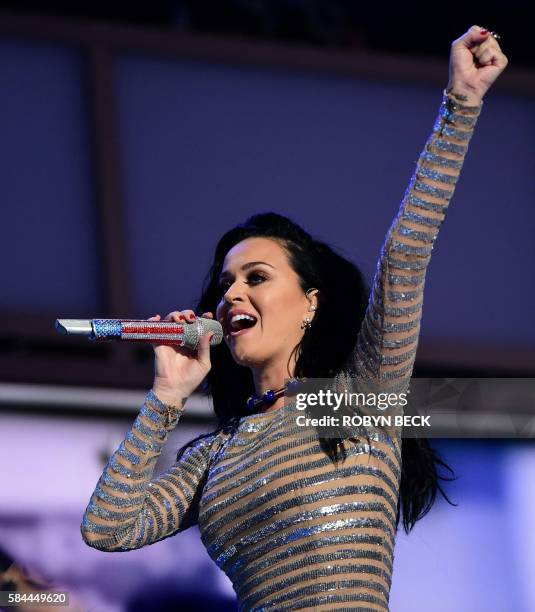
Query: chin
[{"x": 246, "y": 359}]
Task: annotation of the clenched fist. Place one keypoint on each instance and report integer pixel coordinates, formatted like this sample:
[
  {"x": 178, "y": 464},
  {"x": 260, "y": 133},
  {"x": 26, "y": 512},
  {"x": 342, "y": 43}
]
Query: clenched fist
[{"x": 476, "y": 61}]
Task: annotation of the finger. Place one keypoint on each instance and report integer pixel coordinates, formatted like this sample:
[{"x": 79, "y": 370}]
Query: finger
[
  {"x": 203, "y": 349},
  {"x": 207, "y": 315},
  {"x": 190, "y": 315},
  {"x": 155, "y": 318},
  {"x": 489, "y": 53},
  {"x": 175, "y": 316},
  {"x": 485, "y": 57},
  {"x": 474, "y": 36}
]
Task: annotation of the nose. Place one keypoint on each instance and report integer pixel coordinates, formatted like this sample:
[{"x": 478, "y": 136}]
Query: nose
[{"x": 233, "y": 293}]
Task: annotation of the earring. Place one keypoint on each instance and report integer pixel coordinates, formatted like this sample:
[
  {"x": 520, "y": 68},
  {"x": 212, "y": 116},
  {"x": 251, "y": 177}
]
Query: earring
[{"x": 307, "y": 324}]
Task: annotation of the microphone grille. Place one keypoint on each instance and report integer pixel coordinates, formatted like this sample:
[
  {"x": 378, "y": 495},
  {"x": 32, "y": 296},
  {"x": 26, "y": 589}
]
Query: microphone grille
[{"x": 200, "y": 327}]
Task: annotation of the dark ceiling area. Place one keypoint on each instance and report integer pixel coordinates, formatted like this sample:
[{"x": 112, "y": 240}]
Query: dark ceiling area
[{"x": 418, "y": 29}]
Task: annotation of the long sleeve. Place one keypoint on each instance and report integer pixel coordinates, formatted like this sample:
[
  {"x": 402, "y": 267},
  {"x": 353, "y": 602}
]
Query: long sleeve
[
  {"x": 386, "y": 346},
  {"x": 128, "y": 509}
]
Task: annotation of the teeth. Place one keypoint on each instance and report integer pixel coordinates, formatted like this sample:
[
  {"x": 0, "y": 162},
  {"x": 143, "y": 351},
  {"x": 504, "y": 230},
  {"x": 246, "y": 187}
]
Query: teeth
[{"x": 240, "y": 317}]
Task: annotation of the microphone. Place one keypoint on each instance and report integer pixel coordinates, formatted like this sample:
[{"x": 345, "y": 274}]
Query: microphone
[{"x": 138, "y": 330}]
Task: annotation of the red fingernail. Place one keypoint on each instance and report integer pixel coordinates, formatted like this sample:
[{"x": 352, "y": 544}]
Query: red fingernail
[
  {"x": 182, "y": 317},
  {"x": 484, "y": 32},
  {"x": 193, "y": 316}
]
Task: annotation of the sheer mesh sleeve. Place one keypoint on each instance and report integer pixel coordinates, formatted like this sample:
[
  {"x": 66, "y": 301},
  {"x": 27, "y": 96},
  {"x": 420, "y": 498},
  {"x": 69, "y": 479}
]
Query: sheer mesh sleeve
[
  {"x": 386, "y": 346},
  {"x": 128, "y": 509}
]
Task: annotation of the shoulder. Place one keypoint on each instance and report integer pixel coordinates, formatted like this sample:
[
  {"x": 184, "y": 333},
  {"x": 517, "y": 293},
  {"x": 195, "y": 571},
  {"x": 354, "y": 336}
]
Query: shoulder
[{"x": 205, "y": 445}]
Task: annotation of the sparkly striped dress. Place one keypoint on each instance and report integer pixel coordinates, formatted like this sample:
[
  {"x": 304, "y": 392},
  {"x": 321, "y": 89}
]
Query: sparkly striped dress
[{"x": 291, "y": 529}]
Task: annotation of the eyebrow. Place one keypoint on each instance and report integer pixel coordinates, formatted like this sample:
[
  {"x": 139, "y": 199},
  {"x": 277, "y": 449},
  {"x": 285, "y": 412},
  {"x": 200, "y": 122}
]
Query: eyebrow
[{"x": 250, "y": 264}]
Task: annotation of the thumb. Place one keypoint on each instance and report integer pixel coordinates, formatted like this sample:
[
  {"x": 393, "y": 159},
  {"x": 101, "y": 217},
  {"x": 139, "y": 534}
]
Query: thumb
[
  {"x": 203, "y": 349},
  {"x": 474, "y": 36}
]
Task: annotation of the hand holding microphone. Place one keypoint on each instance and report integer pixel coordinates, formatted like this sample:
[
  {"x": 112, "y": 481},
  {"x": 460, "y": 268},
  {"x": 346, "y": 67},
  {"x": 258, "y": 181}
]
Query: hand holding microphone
[
  {"x": 181, "y": 344},
  {"x": 179, "y": 371}
]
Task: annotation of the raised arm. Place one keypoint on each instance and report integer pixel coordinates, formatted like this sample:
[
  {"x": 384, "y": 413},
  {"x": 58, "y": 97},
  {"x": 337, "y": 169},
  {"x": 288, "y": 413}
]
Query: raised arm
[
  {"x": 386, "y": 346},
  {"x": 128, "y": 509}
]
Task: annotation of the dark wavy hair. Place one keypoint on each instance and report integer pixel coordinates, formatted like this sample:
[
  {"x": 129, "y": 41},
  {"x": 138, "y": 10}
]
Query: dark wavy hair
[{"x": 322, "y": 352}]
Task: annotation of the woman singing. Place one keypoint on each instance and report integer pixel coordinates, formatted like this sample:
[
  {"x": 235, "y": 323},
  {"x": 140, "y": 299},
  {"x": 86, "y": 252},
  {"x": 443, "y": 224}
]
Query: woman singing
[{"x": 293, "y": 527}]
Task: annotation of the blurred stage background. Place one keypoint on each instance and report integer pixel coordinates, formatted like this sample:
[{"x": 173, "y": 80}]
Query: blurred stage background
[{"x": 132, "y": 140}]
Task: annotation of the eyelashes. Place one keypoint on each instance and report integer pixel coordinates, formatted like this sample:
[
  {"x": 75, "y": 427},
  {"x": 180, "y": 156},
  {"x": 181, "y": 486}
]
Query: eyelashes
[{"x": 253, "y": 279}]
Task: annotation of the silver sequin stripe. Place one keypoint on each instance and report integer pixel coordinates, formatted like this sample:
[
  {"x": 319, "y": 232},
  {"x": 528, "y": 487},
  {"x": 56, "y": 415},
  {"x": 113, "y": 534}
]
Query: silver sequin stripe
[
  {"x": 168, "y": 506},
  {"x": 292, "y": 442},
  {"x": 314, "y": 560},
  {"x": 452, "y": 132},
  {"x": 118, "y": 502},
  {"x": 119, "y": 468},
  {"x": 440, "y": 160},
  {"x": 401, "y": 311},
  {"x": 302, "y": 533},
  {"x": 214, "y": 547},
  {"x": 330, "y": 586},
  {"x": 305, "y": 482},
  {"x": 117, "y": 485},
  {"x": 399, "y": 359},
  {"x": 173, "y": 484},
  {"x": 449, "y": 147},
  {"x": 435, "y": 175},
  {"x": 331, "y": 511},
  {"x": 179, "y": 502},
  {"x": 245, "y": 565},
  {"x": 264, "y": 468},
  {"x": 426, "y": 204},
  {"x": 330, "y": 599},
  {"x": 403, "y": 296},
  {"x": 437, "y": 192},
  {"x": 109, "y": 514},
  {"x": 394, "y": 344},
  {"x": 324, "y": 461},
  {"x": 413, "y": 265},
  {"x": 402, "y": 279},
  {"x": 387, "y": 327},
  {"x": 278, "y": 433},
  {"x": 408, "y": 215},
  {"x": 89, "y": 525},
  {"x": 380, "y": 358},
  {"x": 401, "y": 247},
  {"x": 279, "y": 459},
  {"x": 393, "y": 374},
  {"x": 457, "y": 118},
  {"x": 353, "y": 569},
  {"x": 252, "y": 572},
  {"x": 211, "y": 529},
  {"x": 114, "y": 542},
  {"x": 153, "y": 415},
  {"x": 455, "y": 105},
  {"x": 231, "y": 468},
  {"x": 373, "y": 368},
  {"x": 149, "y": 432},
  {"x": 134, "y": 458},
  {"x": 145, "y": 447},
  {"x": 230, "y": 471}
]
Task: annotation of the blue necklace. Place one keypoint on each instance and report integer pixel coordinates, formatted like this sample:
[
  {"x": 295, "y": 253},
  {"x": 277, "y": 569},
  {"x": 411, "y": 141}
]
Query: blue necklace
[{"x": 270, "y": 397}]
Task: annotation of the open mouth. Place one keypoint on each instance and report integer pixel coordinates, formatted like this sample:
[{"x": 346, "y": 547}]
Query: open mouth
[{"x": 240, "y": 323}]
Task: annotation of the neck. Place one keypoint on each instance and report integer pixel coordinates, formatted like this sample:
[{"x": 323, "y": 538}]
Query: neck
[{"x": 271, "y": 377}]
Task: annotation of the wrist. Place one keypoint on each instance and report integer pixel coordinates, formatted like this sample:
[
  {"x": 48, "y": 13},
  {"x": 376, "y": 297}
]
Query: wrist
[
  {"x": 171, "y": 405},
  {"x": 464, "y": 94},
  {"x": 168, "y": 398}
]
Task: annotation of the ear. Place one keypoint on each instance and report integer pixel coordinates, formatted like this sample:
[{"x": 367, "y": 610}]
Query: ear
[{"x": 313, "y": 299}]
